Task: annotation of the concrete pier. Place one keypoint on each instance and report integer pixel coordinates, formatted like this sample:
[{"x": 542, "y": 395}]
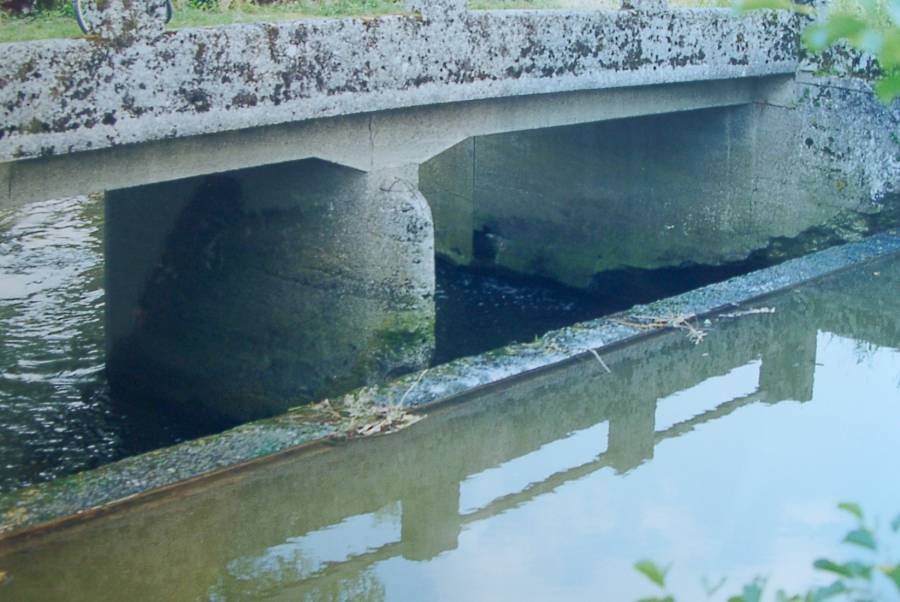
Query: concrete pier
[{"x": 248, "y": 293}]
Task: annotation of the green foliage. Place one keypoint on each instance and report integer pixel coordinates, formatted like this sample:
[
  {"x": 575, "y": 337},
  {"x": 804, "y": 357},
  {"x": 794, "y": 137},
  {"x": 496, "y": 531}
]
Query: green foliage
[
  {"x": 850, "y": 570},
  {"x": 861, "y": 537},
  {"x": 895, "y": 524},
  {"x": 852, "y": 508},
  {"x": 657, "y": 575},
  {"x": 870, "y": 26},
  {"x": 857, "y": 580},
  {"x": 752, "y": 592},
  {"x": 654, "y": 573}
]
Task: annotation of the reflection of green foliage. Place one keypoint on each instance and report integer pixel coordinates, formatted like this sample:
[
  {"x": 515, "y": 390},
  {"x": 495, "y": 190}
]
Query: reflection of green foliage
[
  {"x": 857, "y": 580},
  {"x": 870, "y": 26}
]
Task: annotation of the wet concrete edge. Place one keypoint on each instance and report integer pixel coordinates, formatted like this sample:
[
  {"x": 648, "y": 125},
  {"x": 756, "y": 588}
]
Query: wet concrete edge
[{"x": 156, "y": 473}]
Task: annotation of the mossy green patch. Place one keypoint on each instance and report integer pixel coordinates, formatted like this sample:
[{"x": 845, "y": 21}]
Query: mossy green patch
[{"x": 405, "y": 335}]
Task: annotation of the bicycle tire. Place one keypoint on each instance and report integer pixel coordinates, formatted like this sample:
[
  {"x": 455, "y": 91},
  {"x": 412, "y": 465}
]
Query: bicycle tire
[{"x": 79, "y": 17}]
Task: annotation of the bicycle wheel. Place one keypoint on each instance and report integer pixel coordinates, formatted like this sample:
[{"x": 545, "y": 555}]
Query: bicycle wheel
[
  {"x": 79, "y": 17},
  {"x": 76, "y": 8}
]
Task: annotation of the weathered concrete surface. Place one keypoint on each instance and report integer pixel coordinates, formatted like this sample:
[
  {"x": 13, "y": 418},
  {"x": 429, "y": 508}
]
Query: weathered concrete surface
[
  {"x": 123, "y": 22},
  {"x": 367, "y": 141},
  {"x": 147, "y": 116},
  {"x": 63, "y": 96},
  {"x": 719, "y": 352},
  {"x": 252, "y": 293},
  {"x": 848, "y": 133},
  {"x": 700, "y": 187}
]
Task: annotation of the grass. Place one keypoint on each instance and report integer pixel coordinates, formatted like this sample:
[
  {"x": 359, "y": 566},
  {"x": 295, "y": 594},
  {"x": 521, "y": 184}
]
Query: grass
[
  {"x": 38, "y": 27},
  {"x": 61, "y": 24},
  {"x": 243, "y": 11}
]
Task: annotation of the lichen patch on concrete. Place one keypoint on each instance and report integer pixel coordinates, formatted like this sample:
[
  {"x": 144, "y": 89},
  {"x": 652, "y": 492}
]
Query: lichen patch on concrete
[{"x": 63, "y": 96}]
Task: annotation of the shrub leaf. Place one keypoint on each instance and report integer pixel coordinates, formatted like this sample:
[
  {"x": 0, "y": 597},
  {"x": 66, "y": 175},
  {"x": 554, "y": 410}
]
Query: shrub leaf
[
  {"x": 861, "y": 537},
  {"x": 652, "y": 572},
  {"x": 852, "y": 508}
]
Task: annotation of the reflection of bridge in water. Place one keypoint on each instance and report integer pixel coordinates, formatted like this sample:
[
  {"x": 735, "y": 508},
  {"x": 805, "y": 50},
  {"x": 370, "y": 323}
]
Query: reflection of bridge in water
[{"x": 248, "y": 537}]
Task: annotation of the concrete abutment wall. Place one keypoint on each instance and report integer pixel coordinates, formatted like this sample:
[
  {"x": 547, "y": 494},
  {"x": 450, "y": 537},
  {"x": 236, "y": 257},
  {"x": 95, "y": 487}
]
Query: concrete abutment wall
[
  {"x": 246, "y": 293},
  {"x": 703, "y": 187}
]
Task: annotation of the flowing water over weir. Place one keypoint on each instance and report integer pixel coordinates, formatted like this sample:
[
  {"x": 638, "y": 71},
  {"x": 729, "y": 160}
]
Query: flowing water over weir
[
  {"x": 56, "y": 412},
  {"x": 725, "y": 458}
]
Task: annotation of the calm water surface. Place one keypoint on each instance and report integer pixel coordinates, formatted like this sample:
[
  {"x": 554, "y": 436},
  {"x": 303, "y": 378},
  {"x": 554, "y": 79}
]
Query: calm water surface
[
  {"x": 56, "y": 413},
  {"x": 725, "y": 458}
]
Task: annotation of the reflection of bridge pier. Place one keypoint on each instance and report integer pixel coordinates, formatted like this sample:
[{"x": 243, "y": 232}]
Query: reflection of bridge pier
[
  {"x": 430, "y": 523},
  {"x": 631, "y": 434},
  {"x": 789, "y": 366}
]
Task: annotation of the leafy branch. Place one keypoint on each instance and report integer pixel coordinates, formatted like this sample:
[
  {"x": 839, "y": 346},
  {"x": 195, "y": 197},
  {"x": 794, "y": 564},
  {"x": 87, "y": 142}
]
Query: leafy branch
[
  {"x": 855, "y": 580},
  {"x": 869, "y": 26}
]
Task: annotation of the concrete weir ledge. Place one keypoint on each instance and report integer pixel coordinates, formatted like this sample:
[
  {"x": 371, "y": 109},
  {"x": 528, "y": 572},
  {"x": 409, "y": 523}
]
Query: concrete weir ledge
[{"x": 165, "y": 471}]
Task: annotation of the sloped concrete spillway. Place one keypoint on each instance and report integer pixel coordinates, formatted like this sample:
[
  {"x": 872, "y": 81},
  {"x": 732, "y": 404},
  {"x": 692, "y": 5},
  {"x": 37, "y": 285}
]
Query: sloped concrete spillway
[{"x": 150, "y": 475}]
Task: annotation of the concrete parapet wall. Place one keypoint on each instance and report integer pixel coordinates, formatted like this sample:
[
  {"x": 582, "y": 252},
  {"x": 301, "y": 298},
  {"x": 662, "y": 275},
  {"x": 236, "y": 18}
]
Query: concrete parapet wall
[{"x": 65, "y": 96}]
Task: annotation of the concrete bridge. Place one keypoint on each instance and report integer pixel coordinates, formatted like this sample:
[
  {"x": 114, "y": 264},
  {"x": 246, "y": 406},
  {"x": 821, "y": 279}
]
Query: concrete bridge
[{"x": 276, "y": 193}]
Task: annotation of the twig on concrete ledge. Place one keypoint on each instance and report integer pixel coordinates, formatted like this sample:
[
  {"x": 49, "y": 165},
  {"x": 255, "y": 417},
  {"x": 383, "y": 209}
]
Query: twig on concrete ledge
[
  {"x": 682, "y": 322},
  {"x": 600, "y": 359},
  {"x": 749, "y": 312},
  {"x": 413, "y": 386}
]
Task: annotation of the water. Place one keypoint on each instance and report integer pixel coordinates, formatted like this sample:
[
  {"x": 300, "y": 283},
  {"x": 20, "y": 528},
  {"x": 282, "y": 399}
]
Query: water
[
  {"x": 726, "y": 459},
  {"x": 56, "y": 413},
  {"x": 57, "y": 416}
]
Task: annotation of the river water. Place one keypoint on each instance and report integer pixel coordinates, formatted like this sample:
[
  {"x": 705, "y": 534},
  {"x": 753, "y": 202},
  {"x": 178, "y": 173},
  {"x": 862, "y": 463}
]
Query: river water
[
  {"x": 57, "y": 416},
  {"x": 725, "y": 459}
]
